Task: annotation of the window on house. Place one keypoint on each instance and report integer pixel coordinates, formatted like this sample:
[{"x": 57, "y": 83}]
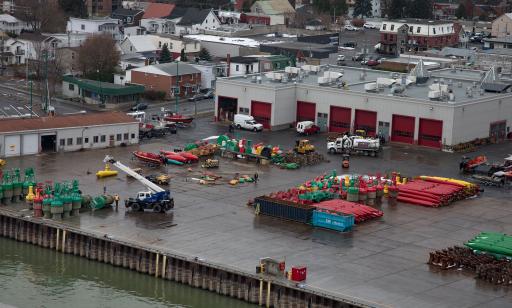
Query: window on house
[
  {"x": 411, "y": 29},
  {"x": 434, "y": 30},
  {"x": 62, "y": 142},
  {"x": 392, "y": 27},
  {"x": 131, "y": 48},
  {"x": 103, "y": 138},
  {"x": 70, "y": 141},
  {"x": 125, "y": 137},
  {"x": 385, "y": 36},
  {"x": 384, "y": 27},
  {"x": 237, "y": 68},
  {"x": 133, "y": 136},
  {"x": 78, "y": 140},
  {"x": 95, "y": 139},
  {"x": 118, "y": 137},
  {"x": 82, "y": 27},
  {"x": 418, "y": 29},
  {"x": 86, "y": 140},
  {"x": 71, "y": 87},
  {"x": 72, "y": 55},
  {"x": 159, "y": 44}
]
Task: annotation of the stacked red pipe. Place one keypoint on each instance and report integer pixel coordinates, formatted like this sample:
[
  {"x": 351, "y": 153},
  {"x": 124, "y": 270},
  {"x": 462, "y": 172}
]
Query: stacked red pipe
[
  {"x": 361, "y": 212},
  {"x": 430, "y": 192}
]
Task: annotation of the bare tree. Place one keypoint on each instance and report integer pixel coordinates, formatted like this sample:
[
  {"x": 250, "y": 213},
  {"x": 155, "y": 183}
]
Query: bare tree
[
  {"x": 98, "y": 57},
  {"x": 46, "y": 64},
  {"x": 41, "y": 15}
]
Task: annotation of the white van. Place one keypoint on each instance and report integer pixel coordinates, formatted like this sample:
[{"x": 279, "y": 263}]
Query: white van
[
  {"x": 138, "y": 115},
  {"x": 247, "y": 122}
]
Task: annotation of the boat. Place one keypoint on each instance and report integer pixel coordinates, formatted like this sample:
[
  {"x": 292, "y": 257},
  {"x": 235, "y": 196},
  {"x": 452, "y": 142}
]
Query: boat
[
  {"x": 173, "y": 156},
  {"x": 178, "y": 118},
  {"x": 148, "y": 157},
  {"x": 106, "y": 172},
  {"x": 189, "y": 156},
  {"x": 173, "y": 162}
]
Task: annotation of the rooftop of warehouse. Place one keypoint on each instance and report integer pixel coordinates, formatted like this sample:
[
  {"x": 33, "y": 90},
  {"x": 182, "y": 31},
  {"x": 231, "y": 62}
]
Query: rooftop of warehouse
[
  {"x": 458, "y": 80},
  {"x": 68, "y": 121}
]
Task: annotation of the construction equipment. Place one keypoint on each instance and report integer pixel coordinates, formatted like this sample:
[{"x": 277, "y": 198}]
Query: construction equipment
[
  {"x": 210, "y": 163},
  {"x": 160, "y": 179},
  {"x": 303, "y": 146},
  {"x": 155, "y": 198}
]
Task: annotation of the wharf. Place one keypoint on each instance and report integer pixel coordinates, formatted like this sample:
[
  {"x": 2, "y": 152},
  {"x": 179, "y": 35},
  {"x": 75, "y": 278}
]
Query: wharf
[{"x": 211, "y": 231}]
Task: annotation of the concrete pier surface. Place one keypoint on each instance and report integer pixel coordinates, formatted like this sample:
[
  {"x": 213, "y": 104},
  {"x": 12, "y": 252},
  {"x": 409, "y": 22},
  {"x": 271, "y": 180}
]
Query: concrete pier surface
[{"x": 381, "y": 262}]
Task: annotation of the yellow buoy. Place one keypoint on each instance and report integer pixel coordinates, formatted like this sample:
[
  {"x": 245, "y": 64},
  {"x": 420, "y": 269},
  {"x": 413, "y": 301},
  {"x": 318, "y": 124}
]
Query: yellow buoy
[
  {"x": 386, "y": 189},
  {"x": 30, "y": 196},
  {"x": 106, "y": 172}
]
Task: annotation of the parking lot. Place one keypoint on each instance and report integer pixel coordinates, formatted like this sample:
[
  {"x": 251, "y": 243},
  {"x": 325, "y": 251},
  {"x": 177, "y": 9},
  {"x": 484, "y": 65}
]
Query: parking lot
[{"x": 382, "y": 262}]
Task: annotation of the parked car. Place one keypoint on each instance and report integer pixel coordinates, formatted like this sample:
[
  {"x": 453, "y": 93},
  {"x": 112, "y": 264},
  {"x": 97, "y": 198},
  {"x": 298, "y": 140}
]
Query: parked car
[
  {"x": 369, "y": 26},
  {"x": 340, "y": 59},
  {"x": 350, "y": 44},
  {"x": 372, "y": 62},
  {"x": 358, "y": 57},
  {"x": 139, "y": 106},
  {"x": 247, "y": 122},
  {"x": 350, "y": 28},
  {"x": 365, "y": 60},
  {"x": 209, "y": 94},
  {"x": 196, "y": 97},
  {"x": 380, "y": 60}
]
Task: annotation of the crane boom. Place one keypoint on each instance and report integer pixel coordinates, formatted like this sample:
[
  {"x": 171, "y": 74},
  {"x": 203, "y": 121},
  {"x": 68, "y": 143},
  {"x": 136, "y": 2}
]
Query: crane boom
[{"x": 150, "y": 185}]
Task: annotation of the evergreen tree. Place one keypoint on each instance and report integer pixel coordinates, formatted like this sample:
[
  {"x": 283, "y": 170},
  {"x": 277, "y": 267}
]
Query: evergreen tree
[
  {"x": 363, "y": 8},
  {"x": 461, "y": 11},
  {"x": 165, "y": 55},
  {"x": 183, "y": 56},
  {"x": 397, "y": 9},
  {"x": 204, "y": 55},
  {"x": 75, "y": 8},
  {"x": 419, "y": 9}
]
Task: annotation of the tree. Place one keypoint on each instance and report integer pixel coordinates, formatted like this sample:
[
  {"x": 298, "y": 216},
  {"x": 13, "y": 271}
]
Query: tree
[
  {"x": 363, "y": 8},
  {"x": 246, "y": 6},
  {"x": 183, "y": 56},
  {"x": 75, "y": 8},
  {"x": 468, "y": 4},
  {"x": 41, "y": 15},
  {"x": 204, "y": 54},
  {"x": 419, "y": 9},
  {"x": 98, "y": 57},
  {"x": 461, "y": 11},
  {"x": 397, "y": 9},
  {"x": 165, "y": 55}
]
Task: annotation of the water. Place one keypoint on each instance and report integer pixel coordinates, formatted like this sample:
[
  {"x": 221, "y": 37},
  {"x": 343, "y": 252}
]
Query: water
[{"x": 31, "y": 276}]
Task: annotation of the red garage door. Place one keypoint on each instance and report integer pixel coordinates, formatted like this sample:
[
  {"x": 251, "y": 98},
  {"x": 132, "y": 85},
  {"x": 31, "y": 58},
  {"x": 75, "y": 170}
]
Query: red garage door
[
  {"x": 430, "y": 133},
  {"x": 366, "y": 120},
  {"x": 306, "y": 111},
  {"x": 339, "y": 119},
  {"x": 402, "y": 129},
  {"x": 261, "y": 112}
]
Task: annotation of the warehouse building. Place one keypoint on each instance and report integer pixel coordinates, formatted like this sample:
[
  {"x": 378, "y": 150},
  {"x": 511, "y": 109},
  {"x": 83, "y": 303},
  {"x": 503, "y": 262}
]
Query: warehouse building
[
  {"x": 66, "y": 133},
  {"x": 450, "y": 107}
]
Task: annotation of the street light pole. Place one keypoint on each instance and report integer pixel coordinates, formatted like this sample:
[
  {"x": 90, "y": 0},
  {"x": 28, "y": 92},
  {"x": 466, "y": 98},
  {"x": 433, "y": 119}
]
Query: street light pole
[
  {"x": 177, "y": 92},
  {"x": 31, "y": 106}
]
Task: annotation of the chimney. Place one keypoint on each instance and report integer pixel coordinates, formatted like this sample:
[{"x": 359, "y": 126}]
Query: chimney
[{"x": 228, "y": 60}]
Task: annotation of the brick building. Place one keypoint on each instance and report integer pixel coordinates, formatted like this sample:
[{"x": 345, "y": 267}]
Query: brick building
[
  {"x": 399, "y": 36},
  {"x": 162, "y": 77},
  {"x": 102, "y": 7}
]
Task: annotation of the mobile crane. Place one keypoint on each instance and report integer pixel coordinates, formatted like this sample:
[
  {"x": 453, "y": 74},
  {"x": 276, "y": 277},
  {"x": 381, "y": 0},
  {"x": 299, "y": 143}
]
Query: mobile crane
[{"x": 155, "y": 198}]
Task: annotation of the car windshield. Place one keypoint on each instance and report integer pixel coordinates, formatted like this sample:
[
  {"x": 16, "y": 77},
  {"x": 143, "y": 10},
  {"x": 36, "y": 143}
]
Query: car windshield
[{"x": 251, "y": 122}]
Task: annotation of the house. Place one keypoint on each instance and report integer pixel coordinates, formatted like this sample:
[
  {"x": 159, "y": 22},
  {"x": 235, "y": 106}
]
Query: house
[
  {"x": 102, "y": 7},
  {"x": 68, "y": 60},
  {"x": 280, "y": 11},
  {"x": 158, "y": 25},
  {"x": 158, "y": 10},
  {"x": 209, "y": 72},
  {"x": 128, "y": 17},
  {"x": 165, "y": 77},
  {"x": 135, "y": 30},
  {"x": 196, "y": 21},
  {"x": 154, "y": 43},
  {"x": 97, "y": 25},
  {"x": 314, "y": 24},
  {"x": 504, "y": 42},
  {"x": 238, "y": 66},
  {"x": 502, "y": 26},
  {"x": 399, "y": 36},
  {"x": 11, "y": 24},
  {"x": 100, "y": 93}
]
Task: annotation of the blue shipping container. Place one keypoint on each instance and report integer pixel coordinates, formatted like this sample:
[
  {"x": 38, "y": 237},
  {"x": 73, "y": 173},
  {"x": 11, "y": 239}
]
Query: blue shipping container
[
  {"x": 331, "y": 221},
  {"x": 284, "y": 209}
]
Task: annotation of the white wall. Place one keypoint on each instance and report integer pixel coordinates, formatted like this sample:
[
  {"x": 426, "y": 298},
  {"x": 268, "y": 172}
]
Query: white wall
[
  {"x": 131, "y": 129},
  {"x": 207, "y": 75},
  {"x": 242, "y": 68}
]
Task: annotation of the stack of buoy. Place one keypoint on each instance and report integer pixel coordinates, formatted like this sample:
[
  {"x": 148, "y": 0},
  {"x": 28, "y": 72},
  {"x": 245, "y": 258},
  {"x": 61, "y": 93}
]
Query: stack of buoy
[
  {"x": 56, "y": 208},
  {"x": 372, "y": 195},
  {"x": 353, "y": 194},
  {"x": 363, "y": 195},
  {"x": 30, "y": 197},
  {"x": 17, "y": 186},
  {"x": 7, "y": 189}
]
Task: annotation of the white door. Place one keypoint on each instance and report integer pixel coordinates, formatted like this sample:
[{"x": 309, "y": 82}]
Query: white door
[
  {"x": 30, "y": 144},
  {"x": 12, "y": 145}
]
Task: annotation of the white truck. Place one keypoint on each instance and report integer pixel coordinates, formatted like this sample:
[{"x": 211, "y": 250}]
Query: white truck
[
  {"x": 355, "y": 145},
  {"x": 247, "y": 122}
]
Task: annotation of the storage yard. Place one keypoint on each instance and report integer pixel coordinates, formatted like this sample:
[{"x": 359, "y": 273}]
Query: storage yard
[{"x": 380, "y": 261}]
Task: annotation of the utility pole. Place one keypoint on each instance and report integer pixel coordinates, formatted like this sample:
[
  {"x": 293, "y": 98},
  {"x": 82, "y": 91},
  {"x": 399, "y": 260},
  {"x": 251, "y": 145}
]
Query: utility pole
[
  {"x": 178, "y": 90},
  {"x": 46, "y": 97},
  {"x": 31, "y": 106}
]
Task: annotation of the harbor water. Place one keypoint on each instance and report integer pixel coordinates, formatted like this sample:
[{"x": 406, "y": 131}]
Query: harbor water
[{"x": 32, "y": 276}]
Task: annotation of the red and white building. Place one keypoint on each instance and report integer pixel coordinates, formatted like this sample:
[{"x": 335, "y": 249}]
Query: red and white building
[{"x": 400, "y": 36}]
